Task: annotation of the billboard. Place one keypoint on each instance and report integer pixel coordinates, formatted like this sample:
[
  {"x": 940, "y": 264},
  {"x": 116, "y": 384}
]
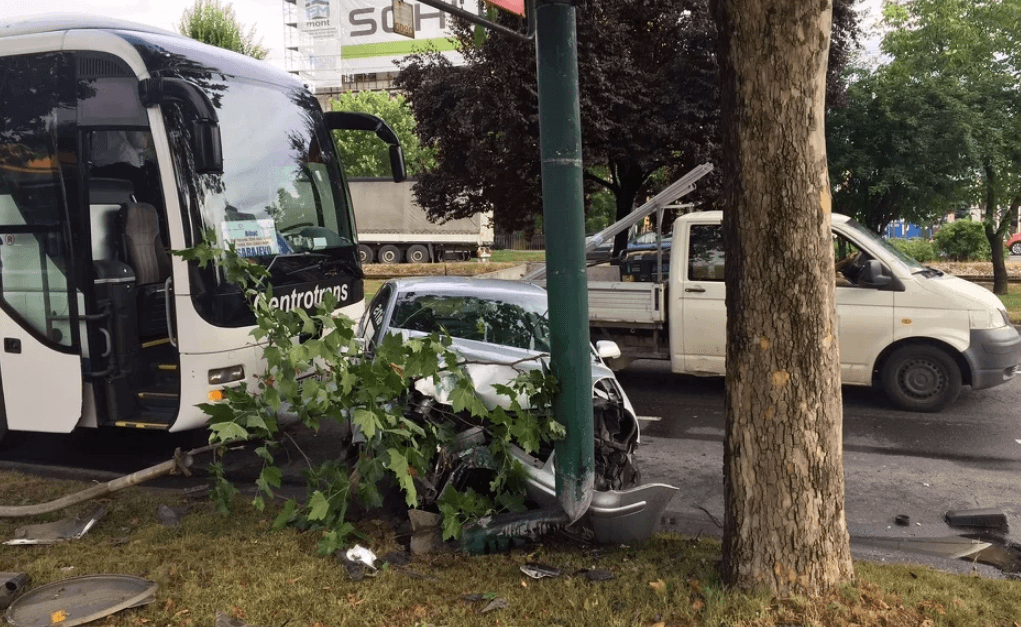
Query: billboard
[{"x": 345, "y": 37}]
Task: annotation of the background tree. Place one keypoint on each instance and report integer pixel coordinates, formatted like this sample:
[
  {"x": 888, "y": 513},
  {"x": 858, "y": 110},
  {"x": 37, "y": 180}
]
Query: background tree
[
  {"x": 968, "y": 52},
  {"x": 896, "y": 150},
  {"x": 784, "y": 526},
  {"x": 648, "y": 103},
  {"x": 363, "y": 154},
  {"x": 214, "y": 23}
]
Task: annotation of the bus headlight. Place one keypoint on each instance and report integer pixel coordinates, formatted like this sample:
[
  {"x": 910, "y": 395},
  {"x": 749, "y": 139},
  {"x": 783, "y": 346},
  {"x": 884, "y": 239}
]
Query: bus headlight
[{"x": 219, "y": 376}]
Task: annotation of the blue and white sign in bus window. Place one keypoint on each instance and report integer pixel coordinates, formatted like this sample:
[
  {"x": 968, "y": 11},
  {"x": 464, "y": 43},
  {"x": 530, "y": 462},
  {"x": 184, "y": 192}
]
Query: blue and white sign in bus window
[{"x": 251, "y": 238}]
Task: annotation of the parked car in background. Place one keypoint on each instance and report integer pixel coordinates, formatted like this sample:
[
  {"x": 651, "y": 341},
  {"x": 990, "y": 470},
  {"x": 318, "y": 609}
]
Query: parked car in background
[
  {"x": 500, "y": 328},
  {"x": 1014, "y": 244}
]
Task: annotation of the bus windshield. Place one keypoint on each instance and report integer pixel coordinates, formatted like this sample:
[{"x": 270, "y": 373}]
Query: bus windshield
[
  {"x": 281, "y": 190},
  {"x": 281, "y": 200}
]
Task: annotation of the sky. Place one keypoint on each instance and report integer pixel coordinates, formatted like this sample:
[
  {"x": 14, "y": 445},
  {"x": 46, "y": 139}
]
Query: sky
[{"x": 265, "y": 15}]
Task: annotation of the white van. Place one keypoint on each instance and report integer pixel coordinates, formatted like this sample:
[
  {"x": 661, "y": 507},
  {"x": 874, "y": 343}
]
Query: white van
[{"x": 916, "y": 332}]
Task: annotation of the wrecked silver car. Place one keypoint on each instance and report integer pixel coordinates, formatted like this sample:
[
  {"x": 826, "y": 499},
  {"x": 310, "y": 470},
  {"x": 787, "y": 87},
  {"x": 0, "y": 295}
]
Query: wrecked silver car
[{"x": 499, "y": 329}]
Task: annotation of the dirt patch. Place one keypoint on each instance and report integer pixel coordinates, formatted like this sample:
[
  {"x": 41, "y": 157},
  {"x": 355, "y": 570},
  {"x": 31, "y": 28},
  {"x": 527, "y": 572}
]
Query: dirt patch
[{"x": 458, "y": 268}]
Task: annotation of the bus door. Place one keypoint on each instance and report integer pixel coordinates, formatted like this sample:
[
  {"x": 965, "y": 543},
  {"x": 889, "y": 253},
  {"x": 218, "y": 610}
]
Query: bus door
[{"x": 40, "y": 356}]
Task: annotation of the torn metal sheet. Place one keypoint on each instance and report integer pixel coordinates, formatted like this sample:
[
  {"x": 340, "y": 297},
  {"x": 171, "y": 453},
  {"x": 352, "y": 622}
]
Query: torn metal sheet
[
  {"x": 539, "y": 571},
  {"x": 12, "y": 585},
  {"x": 984, "y": 550},
  {"x": 987, "y": 518},
  {"x": 80, "y": 600},
  {"x": 59, "y": 531}
]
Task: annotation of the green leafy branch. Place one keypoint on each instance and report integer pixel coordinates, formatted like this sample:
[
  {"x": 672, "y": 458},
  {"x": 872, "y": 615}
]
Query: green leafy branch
[{"x": 325, "y": 377}]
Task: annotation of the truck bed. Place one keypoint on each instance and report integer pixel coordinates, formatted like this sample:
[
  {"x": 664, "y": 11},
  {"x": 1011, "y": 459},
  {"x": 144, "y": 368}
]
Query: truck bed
[{"x": 626, "y": 304}]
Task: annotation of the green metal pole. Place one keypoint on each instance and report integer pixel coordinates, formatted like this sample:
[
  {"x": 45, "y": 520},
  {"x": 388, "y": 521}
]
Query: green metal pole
[{"x": 564, "y": 220}]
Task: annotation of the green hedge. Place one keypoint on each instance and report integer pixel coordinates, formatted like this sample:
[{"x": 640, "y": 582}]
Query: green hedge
[
  {"x": 918, "y": 249},
  {"x": 963, "y": 240}
]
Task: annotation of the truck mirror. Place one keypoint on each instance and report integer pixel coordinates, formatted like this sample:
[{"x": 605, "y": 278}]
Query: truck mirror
[
  {"x": 874, "y": 274},
  {"x": 397, "y": 163}
]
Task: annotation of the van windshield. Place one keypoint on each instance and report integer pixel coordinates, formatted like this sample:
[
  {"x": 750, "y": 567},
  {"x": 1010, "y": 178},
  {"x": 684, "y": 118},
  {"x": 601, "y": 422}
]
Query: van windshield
[{"x": 865, "y": 235}]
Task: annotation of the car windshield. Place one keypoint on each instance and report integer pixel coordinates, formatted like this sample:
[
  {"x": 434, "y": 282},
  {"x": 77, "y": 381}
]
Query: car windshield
[{"x": 505, "y": 322}]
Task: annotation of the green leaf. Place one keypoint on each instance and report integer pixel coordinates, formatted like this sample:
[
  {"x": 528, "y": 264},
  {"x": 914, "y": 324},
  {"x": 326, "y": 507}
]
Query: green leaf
[
  {"x": 367, "y": 421},
  {"x": 286, "y": 515},
  {"x": 318, "y": 506},
  {"x": 399, "y": 468}
]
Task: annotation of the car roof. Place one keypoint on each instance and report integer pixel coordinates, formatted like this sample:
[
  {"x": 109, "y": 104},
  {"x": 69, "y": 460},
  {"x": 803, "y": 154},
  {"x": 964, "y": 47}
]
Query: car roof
[{"x": 458, "y": 284}]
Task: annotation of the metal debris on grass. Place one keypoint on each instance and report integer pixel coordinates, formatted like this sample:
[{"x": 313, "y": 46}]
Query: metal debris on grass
[{"x": 59, "y": 531}]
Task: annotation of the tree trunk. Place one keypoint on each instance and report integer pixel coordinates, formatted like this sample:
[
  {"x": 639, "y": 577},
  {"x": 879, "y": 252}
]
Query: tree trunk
[
  {"x": 784, "y": 525},
  {"x": 995, "y": 229},
  {"x": 629, "y": 178}
]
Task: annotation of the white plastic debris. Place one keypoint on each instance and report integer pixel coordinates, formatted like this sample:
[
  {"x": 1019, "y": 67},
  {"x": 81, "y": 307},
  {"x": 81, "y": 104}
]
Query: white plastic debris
[{"x": 361, "y": 555}]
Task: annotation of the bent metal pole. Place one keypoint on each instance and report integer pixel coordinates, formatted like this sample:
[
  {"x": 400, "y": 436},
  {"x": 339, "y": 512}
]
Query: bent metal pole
[{"x": 556, "y": 55}]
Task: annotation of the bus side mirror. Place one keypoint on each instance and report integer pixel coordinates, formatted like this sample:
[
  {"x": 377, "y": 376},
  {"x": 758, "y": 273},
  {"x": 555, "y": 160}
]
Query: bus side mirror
[
  {"x": 206, "y": 147},
  {"x": 205, "y": 129},
  {"x": 397, "y": 163}
]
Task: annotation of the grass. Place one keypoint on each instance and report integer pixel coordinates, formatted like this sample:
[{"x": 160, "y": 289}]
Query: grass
[
  {"x": 237, "y": 564},
  {"x": 1012, "y": 301}
]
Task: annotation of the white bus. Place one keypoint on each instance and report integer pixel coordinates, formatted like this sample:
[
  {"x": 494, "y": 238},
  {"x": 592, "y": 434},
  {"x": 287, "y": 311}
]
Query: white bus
[{"x": 119, "y": 143}]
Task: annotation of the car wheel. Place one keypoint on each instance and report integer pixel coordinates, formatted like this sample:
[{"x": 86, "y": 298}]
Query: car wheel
[
  {"x": 389, "y": 254},
  {"x": 365, "y": 254},
  {"x": 921, "y": 378},
  {"x": 417, "y": 254},
  {"x": 1015, "y": 248}
]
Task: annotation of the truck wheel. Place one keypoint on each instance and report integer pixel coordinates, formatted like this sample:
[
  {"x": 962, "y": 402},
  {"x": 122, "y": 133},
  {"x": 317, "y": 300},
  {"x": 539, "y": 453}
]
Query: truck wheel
[
  {"x": 1015, "y": 248},
  {"x": 921, "y": 378},
  {"x": 389, "y": 254},
  {"x": 364, "y": 254},
  {"x": 417, "y": 254}
]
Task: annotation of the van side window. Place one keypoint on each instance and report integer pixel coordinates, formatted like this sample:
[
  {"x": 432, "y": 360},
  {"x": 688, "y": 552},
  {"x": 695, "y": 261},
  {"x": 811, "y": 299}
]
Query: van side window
[
  {"x": 848, "y": 261},
  {"x": 705, "y": 253}
]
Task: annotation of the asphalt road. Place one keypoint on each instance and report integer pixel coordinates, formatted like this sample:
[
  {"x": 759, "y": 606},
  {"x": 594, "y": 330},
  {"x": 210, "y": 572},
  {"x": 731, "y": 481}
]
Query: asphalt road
[{"x": 895, "y": 463}]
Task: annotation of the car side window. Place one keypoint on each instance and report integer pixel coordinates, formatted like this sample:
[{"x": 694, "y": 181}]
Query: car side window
[
  {"x": 372, "y": 320},
  {"x": 705, "y": 253}
]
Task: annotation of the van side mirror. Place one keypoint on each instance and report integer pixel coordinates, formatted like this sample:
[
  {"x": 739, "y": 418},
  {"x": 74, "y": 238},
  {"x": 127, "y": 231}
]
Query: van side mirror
[{"x": 874, "y": 274}]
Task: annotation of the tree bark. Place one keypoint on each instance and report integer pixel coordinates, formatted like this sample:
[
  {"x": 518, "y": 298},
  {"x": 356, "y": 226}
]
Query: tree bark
[
  {"x": 995, "y": 229},
  {"x": 784, "y": 526}
]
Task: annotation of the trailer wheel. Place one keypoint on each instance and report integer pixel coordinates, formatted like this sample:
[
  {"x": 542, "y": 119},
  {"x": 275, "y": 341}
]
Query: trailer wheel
[
  {"x": 365, "y": 254},
  {"x": 417, "y": 254},
  {"x": 921, "y": 378},
  {"x": 389, "y": 254}
]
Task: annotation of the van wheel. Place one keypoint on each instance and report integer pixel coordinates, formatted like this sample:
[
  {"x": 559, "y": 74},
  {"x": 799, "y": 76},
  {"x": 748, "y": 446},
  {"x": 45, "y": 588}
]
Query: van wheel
[
  {"x": 389, "y": 254},
  {"x": 364, "y": 254},
  {"x": 921, "y": 378},
  {"x": 1015, "y": 248},
  {"x": 417, "y": 254}
]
